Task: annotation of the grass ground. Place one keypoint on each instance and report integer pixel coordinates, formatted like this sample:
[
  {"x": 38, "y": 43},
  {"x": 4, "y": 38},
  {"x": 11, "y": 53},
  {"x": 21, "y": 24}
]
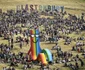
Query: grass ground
[
  {"x": 71, "y": 6},
  {"x": 44, "y": 45}
]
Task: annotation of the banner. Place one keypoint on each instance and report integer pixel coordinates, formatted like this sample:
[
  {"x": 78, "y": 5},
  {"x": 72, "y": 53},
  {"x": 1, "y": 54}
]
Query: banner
[
  {"x": 18, "y": 7},
  {"x": 0, "y": 11},
  {"x": 49, "y": 8},
  {"x": 53, "y": 7},
  {"x": 62, "y": 9},
  {"x": 57, "y": 8},
  {"x": 36, "y": 7},
  {"x": 45, "y": 7},
  {"x": 26, "y": 7},
  {"x": 31, "y": 8},
  {"x": 22, "y": 7},
  {"x": 40, "y": 7}
]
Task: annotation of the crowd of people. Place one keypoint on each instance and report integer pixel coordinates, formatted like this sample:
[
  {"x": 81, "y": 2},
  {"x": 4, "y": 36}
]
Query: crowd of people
[{"x": 54, "y": 29}]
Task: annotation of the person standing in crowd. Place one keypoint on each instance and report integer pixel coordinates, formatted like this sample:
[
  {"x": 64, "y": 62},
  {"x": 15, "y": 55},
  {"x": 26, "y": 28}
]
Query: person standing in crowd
[
  {"x": 21, "y": 44},
  {"x": 82, "y": 63}
]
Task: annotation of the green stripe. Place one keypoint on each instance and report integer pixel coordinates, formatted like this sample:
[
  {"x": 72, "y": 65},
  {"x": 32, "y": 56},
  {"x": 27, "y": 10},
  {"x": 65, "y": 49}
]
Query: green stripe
[{"x": 35, "y": 43}]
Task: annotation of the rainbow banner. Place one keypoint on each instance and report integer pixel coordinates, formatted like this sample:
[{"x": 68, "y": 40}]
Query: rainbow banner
[{"x": 35, "y": 51}]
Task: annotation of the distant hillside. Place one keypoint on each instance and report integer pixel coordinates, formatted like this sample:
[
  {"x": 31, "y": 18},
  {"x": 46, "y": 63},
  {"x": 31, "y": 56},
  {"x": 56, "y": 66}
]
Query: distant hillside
[{"x": 73, "y": 6}]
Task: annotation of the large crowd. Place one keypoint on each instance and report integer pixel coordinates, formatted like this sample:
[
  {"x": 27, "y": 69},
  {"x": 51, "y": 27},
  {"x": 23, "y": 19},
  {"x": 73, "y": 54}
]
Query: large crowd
[{"x": 54, "y": 29}]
